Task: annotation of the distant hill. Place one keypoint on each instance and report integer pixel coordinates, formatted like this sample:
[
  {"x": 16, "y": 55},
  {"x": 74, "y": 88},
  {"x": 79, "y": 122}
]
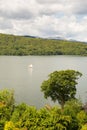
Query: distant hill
[
  {"x": 30, "y": 45},
  {"x": 29, "y": 36}
]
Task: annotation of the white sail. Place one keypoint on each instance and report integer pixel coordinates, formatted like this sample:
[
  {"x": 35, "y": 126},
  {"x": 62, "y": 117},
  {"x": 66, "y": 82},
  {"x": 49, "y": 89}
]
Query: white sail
[{"x": 30, "y": 66}]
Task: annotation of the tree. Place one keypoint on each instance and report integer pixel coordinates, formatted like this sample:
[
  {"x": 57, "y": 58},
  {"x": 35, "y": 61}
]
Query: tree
[{"x": 61, "y": 85}]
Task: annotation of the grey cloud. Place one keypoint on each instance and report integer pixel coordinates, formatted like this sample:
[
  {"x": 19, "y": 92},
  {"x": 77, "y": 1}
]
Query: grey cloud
[
  {"x": 78, "y": 7},
  {"x": 52, "y": 9},
  {"x": 17, "y": 14},
  {"x": 47, "y": 11},
  {"x": 48, "y": 1},
  {"x": 81, "y": 10},
  {"x": 5, "y": 24}
]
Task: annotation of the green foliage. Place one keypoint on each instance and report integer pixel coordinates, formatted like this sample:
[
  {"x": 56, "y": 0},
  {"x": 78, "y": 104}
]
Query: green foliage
[
  {"x": 82, "y": 118},
  {"x": 9, "y": 126},
  {"x": 7, "y": 97},
  {"x": 6, "y": 106},
  {"x": 61, "y": 85},
  {"x": 19, "y": 45},
  {"x": 42, "y": 119},
  {"x": 72, "y": 108},
  {"x": 25, "y": 117},
  {"x": 84, "y": 127}
]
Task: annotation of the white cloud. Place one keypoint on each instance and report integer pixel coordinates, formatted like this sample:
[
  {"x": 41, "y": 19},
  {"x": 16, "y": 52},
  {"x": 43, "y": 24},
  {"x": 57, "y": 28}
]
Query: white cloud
[
  {"x": 48, "y": 1},
  {"x": 66, "y": 18},
  {"x": 77, "y": 6},
  {"x": 18, "y": 9}
]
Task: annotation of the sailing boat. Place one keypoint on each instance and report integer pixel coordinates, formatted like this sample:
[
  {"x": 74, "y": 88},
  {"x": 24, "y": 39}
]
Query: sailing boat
[{"x": 30, "y": 66}]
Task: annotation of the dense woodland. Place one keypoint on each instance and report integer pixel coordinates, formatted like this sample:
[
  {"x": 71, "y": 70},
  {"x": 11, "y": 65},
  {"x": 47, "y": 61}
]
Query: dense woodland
[{"x": 22, "y": 45}]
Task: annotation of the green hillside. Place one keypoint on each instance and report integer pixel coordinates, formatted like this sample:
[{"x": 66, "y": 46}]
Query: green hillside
[{"x": 20, "y": 45}]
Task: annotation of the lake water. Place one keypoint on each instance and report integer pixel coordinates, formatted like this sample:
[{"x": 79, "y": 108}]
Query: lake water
[{"x": 15, "y": 74}]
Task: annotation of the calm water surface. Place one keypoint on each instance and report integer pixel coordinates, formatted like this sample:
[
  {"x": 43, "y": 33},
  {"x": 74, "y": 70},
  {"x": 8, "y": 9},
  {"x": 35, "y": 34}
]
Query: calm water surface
[{"x": 15, "y": 74}]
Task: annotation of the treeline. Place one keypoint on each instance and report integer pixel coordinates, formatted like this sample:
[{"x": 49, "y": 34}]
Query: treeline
[
  {"x": 20, "y": 45},
  {"x": 24, "y": 117}
]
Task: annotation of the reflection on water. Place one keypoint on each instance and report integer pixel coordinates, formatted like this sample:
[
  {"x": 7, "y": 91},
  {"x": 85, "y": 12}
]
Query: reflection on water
[{"x": 30, "y": 70}]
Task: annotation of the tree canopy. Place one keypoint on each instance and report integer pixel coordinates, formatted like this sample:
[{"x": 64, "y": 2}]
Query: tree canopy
[{"x": 61, "y": 85}]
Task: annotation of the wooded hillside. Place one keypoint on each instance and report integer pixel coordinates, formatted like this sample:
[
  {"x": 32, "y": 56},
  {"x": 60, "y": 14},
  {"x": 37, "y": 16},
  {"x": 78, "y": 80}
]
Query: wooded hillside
[{"x": 22, "y": 45}]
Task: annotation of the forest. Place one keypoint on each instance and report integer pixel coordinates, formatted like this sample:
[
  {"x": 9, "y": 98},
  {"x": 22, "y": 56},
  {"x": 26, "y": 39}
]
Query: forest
[{"x": 27, "y": 45}]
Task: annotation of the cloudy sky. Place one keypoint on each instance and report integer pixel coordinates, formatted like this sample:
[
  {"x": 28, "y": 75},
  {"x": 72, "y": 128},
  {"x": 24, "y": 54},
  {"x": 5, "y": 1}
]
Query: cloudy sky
[{"x": 45, "y": 18}]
